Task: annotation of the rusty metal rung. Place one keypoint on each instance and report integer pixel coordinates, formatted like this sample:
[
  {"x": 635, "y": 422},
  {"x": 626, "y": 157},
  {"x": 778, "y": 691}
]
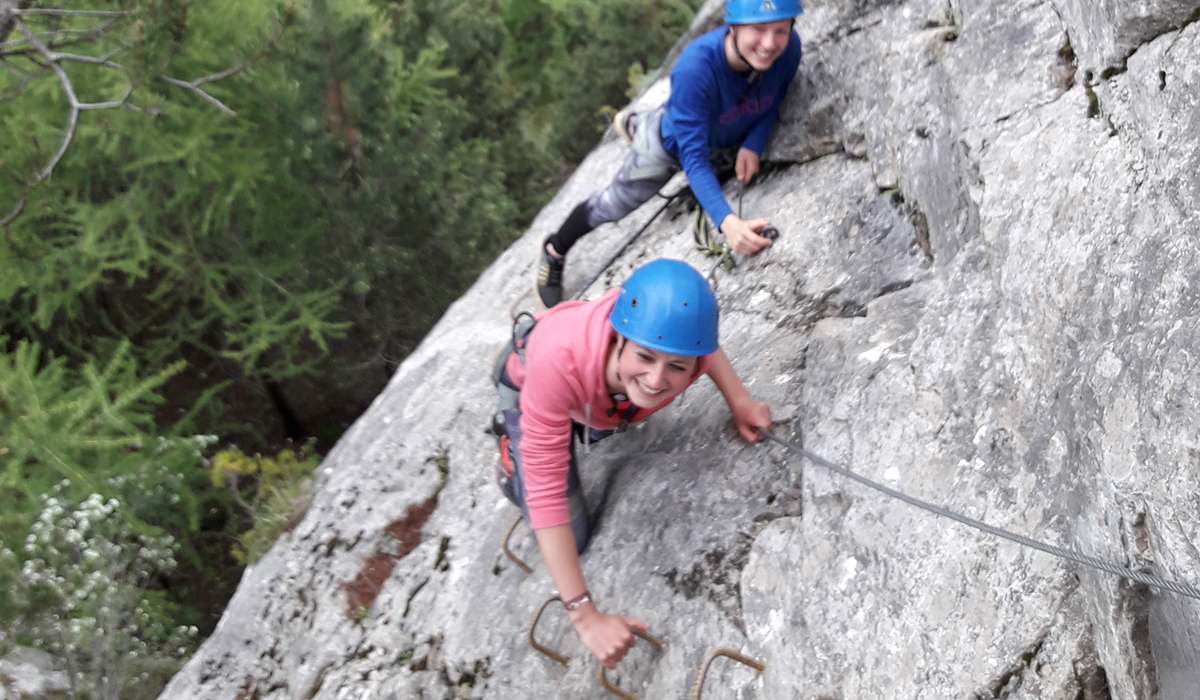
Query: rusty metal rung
[
  {"x": 708, "y": 659},
  {"x": 614, "y": 689},
  {"x": 533, "y": 627},
  {"x": 508, "y": 552},
  {"x": 649, "y": 638}
]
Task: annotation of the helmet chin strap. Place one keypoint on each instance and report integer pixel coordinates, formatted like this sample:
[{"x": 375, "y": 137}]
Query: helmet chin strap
[
  {"x": 738, "y": 51},
  {"x": 620, "y": 349},
  {"x": 630, "y": 410}
]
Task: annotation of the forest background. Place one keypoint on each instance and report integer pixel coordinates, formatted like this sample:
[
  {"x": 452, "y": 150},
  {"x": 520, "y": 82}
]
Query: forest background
[{"x": 225, "y": 223}]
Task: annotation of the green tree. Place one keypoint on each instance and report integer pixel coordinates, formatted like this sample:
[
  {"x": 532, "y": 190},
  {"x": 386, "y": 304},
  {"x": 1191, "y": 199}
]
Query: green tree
[
  {"x": 371, "y": 170},
  {"x": 91, "y": 433},
  {"x": 215, "y": 211},
  {"x": 604, "y": 44}
]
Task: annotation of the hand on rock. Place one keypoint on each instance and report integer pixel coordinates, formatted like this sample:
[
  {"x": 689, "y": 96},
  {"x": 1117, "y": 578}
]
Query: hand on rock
[{"x": 750, "y": 415}]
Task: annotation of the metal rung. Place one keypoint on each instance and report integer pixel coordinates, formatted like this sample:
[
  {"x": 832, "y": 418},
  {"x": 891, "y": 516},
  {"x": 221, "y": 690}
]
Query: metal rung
[
  {"x": 533, "y": 627},
  {"x": 508, "y": 552},
  {"x": 614, "y": 689},
  {"x": 708, "y": 659}
]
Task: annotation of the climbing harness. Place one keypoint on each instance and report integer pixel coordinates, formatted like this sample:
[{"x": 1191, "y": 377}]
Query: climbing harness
[
  {"x": 704, "y": 237},
  {"x": 620, "y": 251},
  {"x": 712, "y": 655},
  {"x": 700, "y": 675},
  {"x": 509, "y": 395},
  {"x": 1071, "y": 555}
]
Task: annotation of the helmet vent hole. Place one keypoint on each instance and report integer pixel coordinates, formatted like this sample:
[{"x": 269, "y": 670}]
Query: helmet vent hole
[
  {"x": 685, "y": 303},
  {"x": 633, "y": 304},
  {"x": 660, "y": 337}
]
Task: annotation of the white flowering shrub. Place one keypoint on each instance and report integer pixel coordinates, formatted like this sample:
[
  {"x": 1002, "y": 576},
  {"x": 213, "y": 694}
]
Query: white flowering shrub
[
  {"x": 87, "y": 591},
  {"x": 91, "y": 484},
  {"x": 94, "y": 427}
]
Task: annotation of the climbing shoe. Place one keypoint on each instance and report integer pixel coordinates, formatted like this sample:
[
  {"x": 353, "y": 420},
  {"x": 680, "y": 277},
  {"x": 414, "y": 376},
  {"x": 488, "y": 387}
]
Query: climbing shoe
[
  {"x": 549, "y": 277},
  {"x": 623, "y": 124}
]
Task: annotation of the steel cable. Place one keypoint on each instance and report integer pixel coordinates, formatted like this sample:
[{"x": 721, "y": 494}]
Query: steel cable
[
  {"x": 634, "y": 237},
  {"x": 1071, "y": 555}
]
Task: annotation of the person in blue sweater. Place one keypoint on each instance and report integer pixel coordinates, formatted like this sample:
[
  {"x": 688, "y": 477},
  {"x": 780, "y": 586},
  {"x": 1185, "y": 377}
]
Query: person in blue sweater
[{"x": 726, "y": 90}]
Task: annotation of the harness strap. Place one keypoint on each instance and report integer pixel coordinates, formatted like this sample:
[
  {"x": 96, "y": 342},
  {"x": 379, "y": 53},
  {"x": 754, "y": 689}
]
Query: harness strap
[
  {"x": 510, "y": 395},
  {"x": 626, "y": 416}
]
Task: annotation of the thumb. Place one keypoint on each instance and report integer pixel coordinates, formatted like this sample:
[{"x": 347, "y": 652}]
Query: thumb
[{"x": 634, "y": 623}]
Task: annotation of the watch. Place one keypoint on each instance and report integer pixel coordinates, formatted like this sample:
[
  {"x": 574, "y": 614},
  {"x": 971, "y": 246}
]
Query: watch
[{"x": 578, "y": 601}]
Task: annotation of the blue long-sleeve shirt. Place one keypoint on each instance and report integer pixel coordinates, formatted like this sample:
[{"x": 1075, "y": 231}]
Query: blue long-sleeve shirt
[{"x": 713, "y": 107}]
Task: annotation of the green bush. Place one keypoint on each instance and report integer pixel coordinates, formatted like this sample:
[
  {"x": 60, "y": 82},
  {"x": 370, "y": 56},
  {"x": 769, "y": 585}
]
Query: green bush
[
  {"x": 273, "y": 493},
  {"x": 91, "y": 433},
  {"x": 85, "y": 591}
]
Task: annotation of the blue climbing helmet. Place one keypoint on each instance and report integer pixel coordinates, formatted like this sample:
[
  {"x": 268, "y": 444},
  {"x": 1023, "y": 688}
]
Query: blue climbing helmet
[
  {"x": 760, "y": 11},
  {"x": 667, "y": 306}
]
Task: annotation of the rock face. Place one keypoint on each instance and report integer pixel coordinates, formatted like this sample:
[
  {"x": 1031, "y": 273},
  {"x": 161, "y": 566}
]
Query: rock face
[
  {"x": 986, "y": 294},
  {"x": 31, "y": 673}
]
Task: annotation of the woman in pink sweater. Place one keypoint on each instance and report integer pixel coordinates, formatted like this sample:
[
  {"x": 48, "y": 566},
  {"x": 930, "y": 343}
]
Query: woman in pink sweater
[{"x": 590, "y": 369}]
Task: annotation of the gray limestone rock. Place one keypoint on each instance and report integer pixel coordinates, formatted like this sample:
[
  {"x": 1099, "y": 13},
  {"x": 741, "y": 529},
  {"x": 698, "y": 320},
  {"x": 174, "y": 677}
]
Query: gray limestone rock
[
  {"x": 1105, "y": 33},
  {"x": 986, "y": 294},
  {"x": 31, "y": 673}
]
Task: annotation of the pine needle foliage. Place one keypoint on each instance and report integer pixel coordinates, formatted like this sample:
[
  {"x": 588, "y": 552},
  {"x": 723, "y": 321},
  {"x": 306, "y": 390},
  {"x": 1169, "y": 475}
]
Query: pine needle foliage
[{"x": 90, "y": 433}]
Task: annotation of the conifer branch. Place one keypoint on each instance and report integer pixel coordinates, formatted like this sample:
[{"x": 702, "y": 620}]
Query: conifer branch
[
  {"x": 70, "y": 13},
  {"x": 194, "y": 87},
  {"x": 55, "y": 59},
  {"x": 78, "y": 58},
  {"x": 12, "y": 215},
  {"x": 56, "y": 39},
  {"x": 42, "y": 50}
]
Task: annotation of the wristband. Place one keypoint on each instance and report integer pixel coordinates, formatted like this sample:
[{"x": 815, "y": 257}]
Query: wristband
[{"x": 578, "y": 601}]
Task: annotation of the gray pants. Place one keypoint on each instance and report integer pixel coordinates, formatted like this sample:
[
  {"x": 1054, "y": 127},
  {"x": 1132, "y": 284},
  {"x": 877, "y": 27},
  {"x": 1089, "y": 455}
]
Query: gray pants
[
  {"x": 513, "y": 485},
  {"x": 646, "y": 169}
]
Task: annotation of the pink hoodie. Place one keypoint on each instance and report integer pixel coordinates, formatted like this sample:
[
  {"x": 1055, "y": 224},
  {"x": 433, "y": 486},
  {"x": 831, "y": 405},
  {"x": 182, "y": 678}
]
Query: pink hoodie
[{"x": 562, "y": 376}]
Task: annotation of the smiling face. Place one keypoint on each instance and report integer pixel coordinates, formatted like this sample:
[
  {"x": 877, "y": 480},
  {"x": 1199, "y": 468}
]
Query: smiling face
[
  {"x": 648, "y": 377},
  {"x": 759, "y": 44}
]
